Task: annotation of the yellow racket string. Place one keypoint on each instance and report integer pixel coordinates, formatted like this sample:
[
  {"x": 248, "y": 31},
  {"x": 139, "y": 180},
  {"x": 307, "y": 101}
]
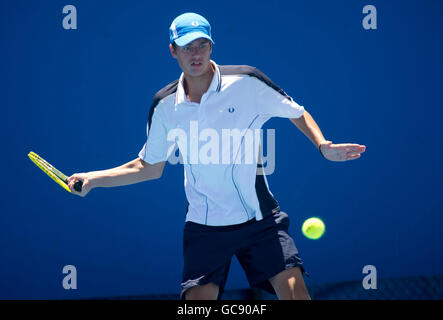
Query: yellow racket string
[{"x": 48, "y": 169}]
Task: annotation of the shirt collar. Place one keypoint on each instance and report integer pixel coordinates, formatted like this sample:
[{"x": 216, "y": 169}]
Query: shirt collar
[{"x": 180, "y": 95}]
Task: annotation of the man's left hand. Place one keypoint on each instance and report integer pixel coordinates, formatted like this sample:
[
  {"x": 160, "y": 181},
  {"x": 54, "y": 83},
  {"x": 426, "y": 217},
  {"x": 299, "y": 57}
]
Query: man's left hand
[{"x": 341, "y": 152}]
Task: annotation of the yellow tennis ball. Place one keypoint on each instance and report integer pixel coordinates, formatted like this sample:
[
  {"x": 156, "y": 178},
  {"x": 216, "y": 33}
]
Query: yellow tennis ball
[{"x": 313, "y": 228}]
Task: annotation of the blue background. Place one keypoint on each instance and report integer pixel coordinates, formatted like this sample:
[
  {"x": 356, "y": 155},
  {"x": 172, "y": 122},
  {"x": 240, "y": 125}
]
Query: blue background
[{"x": 80, "y": 98}]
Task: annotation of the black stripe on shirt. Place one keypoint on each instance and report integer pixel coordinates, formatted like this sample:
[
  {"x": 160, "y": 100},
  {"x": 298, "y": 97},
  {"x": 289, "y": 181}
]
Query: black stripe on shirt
[
  {"x": 253, "y": 72},
  {"x": 160, "y": 95}
]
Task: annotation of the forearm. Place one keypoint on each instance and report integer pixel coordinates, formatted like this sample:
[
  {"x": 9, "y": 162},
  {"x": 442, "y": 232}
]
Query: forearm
[
  {"x": 132, "y": 172},
  {"x": 310, "y": 129}
]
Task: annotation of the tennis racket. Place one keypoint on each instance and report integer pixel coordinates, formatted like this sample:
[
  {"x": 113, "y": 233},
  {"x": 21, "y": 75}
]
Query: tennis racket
[{"x": 53, "y": 173}]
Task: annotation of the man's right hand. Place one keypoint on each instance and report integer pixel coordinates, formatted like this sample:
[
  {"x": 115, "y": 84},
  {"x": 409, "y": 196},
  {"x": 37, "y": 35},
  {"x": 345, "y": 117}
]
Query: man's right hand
[{"x": 86, "y": 187}]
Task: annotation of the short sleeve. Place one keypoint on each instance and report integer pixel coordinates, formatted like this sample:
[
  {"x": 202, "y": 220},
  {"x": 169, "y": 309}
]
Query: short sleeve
[
  {"x": 157, "y": 147},
  {"x": 274, "y": 102}
]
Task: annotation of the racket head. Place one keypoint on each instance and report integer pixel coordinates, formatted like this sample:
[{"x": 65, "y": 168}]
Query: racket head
[{"x": 47, "y": 168}]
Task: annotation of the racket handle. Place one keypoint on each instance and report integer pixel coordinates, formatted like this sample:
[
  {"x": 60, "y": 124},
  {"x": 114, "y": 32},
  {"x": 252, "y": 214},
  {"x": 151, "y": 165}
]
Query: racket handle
[{"x": 78, "y": 186}]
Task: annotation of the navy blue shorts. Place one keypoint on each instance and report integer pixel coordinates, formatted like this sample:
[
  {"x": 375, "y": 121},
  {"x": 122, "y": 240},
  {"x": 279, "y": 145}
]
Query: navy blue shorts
[{"x": 264, "y": 248}]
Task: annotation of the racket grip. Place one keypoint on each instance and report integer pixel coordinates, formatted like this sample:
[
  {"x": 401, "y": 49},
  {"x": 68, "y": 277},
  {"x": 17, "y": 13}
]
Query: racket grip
[{"x": 78, "y": 186}]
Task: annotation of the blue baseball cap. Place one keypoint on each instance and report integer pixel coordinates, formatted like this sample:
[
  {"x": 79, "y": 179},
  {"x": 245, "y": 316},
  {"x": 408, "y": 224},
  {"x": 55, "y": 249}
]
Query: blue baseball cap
[{"x": 187, "y": 27}]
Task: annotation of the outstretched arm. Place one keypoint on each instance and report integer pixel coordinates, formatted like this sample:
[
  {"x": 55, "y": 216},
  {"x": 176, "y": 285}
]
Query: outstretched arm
[
  {"x": 333, "y": 152},
  {"x": 132, "y": 172}
]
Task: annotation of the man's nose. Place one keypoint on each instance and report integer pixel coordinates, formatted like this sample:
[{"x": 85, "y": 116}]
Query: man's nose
[{"x": 196, "y": 52}]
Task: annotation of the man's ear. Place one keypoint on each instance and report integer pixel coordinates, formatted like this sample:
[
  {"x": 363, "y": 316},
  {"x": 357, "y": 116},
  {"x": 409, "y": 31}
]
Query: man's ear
[{"x": 173, "y": 53}]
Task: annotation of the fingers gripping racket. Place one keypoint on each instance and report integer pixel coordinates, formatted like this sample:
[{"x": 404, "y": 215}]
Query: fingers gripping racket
[{"x": 53, "y": 173}]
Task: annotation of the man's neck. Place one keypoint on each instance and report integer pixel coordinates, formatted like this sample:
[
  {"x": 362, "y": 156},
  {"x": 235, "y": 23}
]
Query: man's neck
[{"x": 195, "y": 87}]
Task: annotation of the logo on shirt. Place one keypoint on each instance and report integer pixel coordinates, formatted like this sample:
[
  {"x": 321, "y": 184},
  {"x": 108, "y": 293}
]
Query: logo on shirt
[{"x": 231, "y": 110}]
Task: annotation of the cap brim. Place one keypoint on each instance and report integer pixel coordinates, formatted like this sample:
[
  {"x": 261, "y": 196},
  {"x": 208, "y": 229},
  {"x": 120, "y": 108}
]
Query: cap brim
[{"x": 189, "y": 37}]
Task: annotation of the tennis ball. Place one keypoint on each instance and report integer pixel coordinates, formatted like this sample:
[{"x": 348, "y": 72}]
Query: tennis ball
[{"x": 313, "y": 228}]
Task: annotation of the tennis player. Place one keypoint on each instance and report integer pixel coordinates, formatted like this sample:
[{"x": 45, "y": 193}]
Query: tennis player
[{"x": 231, "y": 210}]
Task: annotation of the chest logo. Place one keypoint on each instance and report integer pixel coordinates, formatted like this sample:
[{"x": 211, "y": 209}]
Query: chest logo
[{"x": 231, "y": 110}]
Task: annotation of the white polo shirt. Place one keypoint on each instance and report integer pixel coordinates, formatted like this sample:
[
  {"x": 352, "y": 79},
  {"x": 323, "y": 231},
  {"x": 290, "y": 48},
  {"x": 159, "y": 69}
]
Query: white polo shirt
[{"x": 214, "y": 138}]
